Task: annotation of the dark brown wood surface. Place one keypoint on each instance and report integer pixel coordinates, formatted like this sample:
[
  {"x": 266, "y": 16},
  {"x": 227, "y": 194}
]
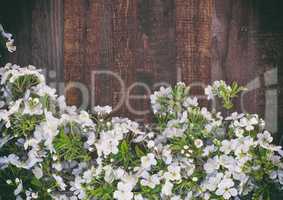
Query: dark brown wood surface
[
  {"x": 37, "y": 26},
  {"x": 153, "y": 43},
  {"x": 247, "y": 47}
]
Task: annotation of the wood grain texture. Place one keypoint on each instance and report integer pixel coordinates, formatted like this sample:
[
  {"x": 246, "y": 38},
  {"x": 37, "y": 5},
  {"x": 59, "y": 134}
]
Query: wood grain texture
[
  {"x": 74, "y": 46},
  {"x": 153, "y": 42},
  {"x": 234, "y": 47},
  {"x": 247, "y": 48},
  {"x": 128, "y": 38},
  {"x": 100, "y": 36},
  {"x": 38, "y": 30},
  {"x": 193, "y": 39},
  {"x": 156, "y": 50},
  {"x": 141, "y": 41}
]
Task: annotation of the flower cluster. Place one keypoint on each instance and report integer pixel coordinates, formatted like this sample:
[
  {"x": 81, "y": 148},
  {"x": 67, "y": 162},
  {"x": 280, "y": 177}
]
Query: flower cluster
[
  {"x": 226, "y": 92},
  {"x": 49, "y": 150}
]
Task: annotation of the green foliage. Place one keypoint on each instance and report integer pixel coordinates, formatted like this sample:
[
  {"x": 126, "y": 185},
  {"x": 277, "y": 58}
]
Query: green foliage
[
  {"x": 69, "y": 145},
  {"x": 151, "y": 194},
  {"x": 228, "y": 93},
  {"x": 23, "y": 125},
  {"x": 22, "y": 84},
  {"x": 102, "y": 190},
  {"x": 129, "y": 154},
  {"x": 28, "y": 179}
]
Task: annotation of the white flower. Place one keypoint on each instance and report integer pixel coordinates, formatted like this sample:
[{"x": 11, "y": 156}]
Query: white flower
[
  {"x": 154, "y": 98},
  {"x": 243, "y": 144},
  {"x": 130, "y": 179},
  {"x": 37, "y": 171},
  {"x": 148, "y": 160},
  {"x": 43, "y": 90},
  {"x": 167, "y": 188},
  {"x": 60, "y": 182},
  {"x": 10, "y": 46},
  {"x": 239, "y": 132},
  {"x": 90, "y": 138},
  {"x": 108, "y": 143},
  {"x": 226, "y": 146},
  {"x": 89, "y": 174},
  {"x": 212, "y": 181},
  {"x": 229, "y": 162},
  {"x": 264, "y": 138},
  {"x": 174, "y": 173},
  {"x": 234, "y": 116},
  {"x": 10, "y": 43},
  {"x": 150, "y": 144},
  {"x": 166, "y": 155},
  {"x": 211, "y": 165},
  {"x": 77, "y": 188},
  {"x": 150, "y": 180},
  {"x": 5, "y": 34},
  {"x": 102, "y": 110},
  {"x": 248, "y": 124},
  {"x": 119, "y": 173},
  {"x": 208, "y": 149},
  {"x": 189, "y": 168},
  {"x": 226, "y": 189},
  {"x": 19, "y": 188},
  {"x": 47, "y": 130},
  {"x": 176, "y": 198},
  {"x": 277, "y": 175},
  {"x": 171, "y": 132},
  {"x": 58, "y": 166},
  {"x": 191, "y": 102},
  {"x": 206, "y": 114},
  {"x": 124, "y": 191},
  {"x": 31, "y": 195},
  {"x": 189, "y": 196},
  {"x": 109, "y": 176},
  {"x": 208, "y": 92},
  {"x": 198, "y": 143},
  {"x": 11, "y": 159}
]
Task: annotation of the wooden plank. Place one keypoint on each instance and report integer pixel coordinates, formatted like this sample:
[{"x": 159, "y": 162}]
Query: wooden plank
[
  {"x": 124, "y": 40},
  {"x": 234, "y": 49},
  {"x": 20, "y": 26},
  {"x": 47, "y": 39},
  {"x": 247, "y": 48},
  {"x": 38, "y": 30},
  {"x": 100, "y": 35},
  {"x": 193, "y": 37},
  {"x": 157, "y": 50},
  {"x": 74, "y": 48}
]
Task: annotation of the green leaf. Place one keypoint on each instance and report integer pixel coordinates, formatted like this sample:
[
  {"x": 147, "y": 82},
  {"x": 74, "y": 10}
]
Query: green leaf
[{"x": 139, "y": 152}]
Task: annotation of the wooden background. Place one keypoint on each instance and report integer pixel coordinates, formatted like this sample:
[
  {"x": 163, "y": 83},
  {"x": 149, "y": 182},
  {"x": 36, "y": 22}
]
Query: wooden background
[{"x": 153, "y": 41}]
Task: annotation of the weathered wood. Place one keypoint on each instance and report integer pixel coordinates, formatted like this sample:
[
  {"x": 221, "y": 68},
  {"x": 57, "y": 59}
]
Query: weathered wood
[
  {"x": 153, "y": 41},
  {"x": 20, "y": 26},
  {"x": 157, "y": 50},
  {"x": 235, "y": 48},
  {"x": 74, "y": 47},
  {"x": 136, "y": 41},
  {"x": 37, "y": 26},
  {"x": 47, "y": 38},
  {"x": 100, "y": 36},
  {"x": 247, "y": 48},
  {"x": 193, "y": 39}
]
